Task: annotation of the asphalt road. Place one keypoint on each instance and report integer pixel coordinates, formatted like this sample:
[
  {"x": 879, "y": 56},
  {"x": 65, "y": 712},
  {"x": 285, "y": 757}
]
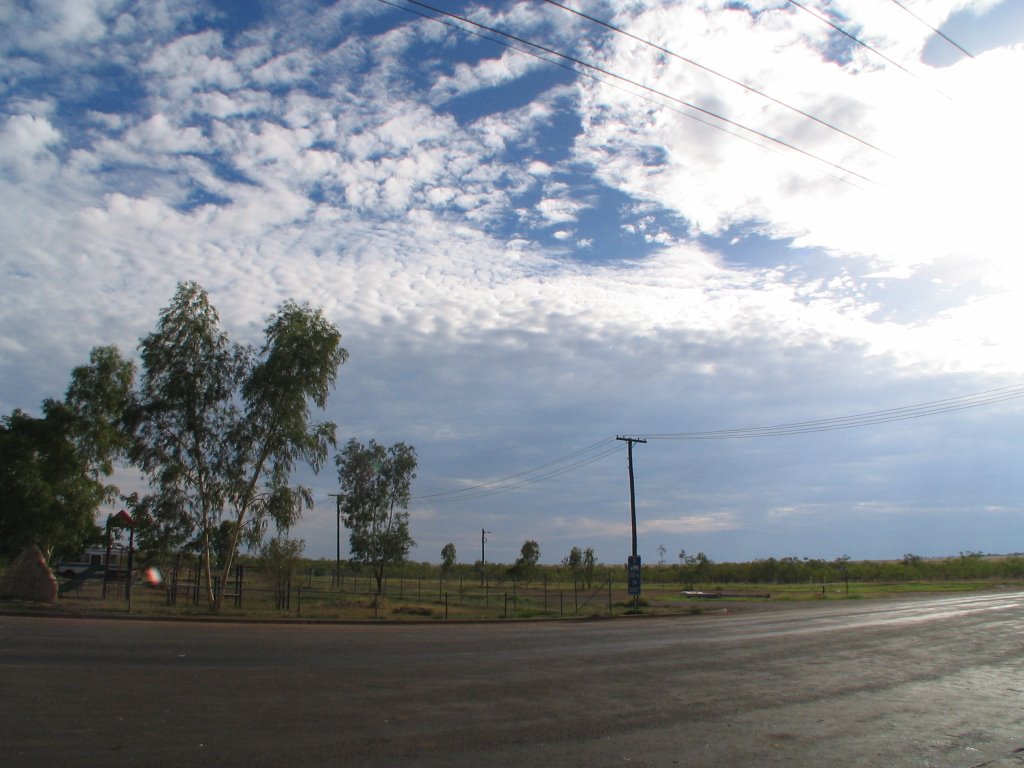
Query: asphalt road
[{"x": 923, "y": 682}]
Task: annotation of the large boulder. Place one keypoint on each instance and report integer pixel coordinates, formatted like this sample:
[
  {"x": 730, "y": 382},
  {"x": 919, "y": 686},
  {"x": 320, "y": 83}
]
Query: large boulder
[{"x": 29, "y": 578}]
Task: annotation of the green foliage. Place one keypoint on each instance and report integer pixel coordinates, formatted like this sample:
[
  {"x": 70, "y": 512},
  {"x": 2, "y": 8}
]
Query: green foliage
[
  {"x": 376, "y": 486},
  {"x": 219, "y": 427},
  {"x": 447, "y": 557},
  {"x": 588, "y": 564},
  {"x": 100, "y": 398},
  {"x": 280, "y": 558},
  {"x": 525, "y": 567},
  {"x": 48, "y": 495},
  {"x": 794, "y": 570},
  {"x": 51, "y": 468},
  {"x": 581, "y": 564},
  {"x": 574, "y": 561}
]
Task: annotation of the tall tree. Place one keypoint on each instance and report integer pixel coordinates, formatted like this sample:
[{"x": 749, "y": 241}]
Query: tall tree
[
  {"x": 48, "y": 495},
  {"x": 447, "y": 557},
  {"x": 280, "y": 558},
  {"x": 525, "y": 566},
  {"x": 219, "y": 426},
  {"x": 53, "y": 469},
  {"x": 376, "y": 486},
  {"x": 588, "y": 563},
  {"x": 574, "y": 562},
  {"x": 100, "y": 397}
]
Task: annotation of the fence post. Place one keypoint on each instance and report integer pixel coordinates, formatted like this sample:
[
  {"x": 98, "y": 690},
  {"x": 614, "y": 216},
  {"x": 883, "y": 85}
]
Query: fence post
[
  {"x": 561, "y": 603},
  {"x": 298, "y": 601},
  {"x": 446, "y": 606},
  {"x": 609, "y": 593},
  {"x": 575, "y": 596}
]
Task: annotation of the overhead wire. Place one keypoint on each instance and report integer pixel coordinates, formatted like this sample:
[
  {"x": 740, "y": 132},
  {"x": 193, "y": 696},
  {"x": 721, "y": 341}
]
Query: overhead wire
[
  {"x": 503, "y": 484},
  {"x": 850, "y": 35},
  {"x": 609, "y": 84},
  {"x": 903, "y": 413},
  {"x": 622, "y": 78},
  {"x": 716, "y": 73},
  {"x": 465, "y": 495},
  {"x": 610, "y": 446},
  {"x": 938, "y": 32}
]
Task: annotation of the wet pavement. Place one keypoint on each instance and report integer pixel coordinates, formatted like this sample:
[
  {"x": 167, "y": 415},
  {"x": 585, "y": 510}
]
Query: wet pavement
[{"x": 919, "y": 682}]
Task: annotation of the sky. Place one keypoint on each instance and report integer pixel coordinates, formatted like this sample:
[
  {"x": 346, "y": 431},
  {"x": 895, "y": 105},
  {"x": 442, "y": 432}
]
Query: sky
[{"x": 664, "y": 219}]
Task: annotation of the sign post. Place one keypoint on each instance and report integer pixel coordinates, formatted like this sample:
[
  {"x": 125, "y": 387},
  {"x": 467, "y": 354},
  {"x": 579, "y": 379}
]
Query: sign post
[{"x": 634, "y": 574}]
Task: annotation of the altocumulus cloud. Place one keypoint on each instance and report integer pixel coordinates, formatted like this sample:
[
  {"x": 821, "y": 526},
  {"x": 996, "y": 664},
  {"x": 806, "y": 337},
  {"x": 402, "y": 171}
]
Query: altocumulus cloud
[{"x": 426, "y": 188}]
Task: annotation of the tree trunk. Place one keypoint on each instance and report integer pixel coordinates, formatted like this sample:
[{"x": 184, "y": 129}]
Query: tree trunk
[{"x": 208, "y": 572}]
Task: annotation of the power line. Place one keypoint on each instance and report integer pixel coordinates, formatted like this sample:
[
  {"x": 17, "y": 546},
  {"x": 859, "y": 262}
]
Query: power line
[
  {"x": 634, "y": 83},
  {"x": 609, "y": 446},
  {"x": 903, "y": 413},
  {"x": 504, "y": 484},
  {"x": 853, "y": 37},
  {"x": 948, "y": 39},
  {"x": 716, "y": 73}
]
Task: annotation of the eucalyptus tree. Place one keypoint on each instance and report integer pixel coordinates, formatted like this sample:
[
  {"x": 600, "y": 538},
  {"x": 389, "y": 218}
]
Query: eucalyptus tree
[
  {"x": 525, "y": 567},
  {"x": 376, "y": 487},
  {"x": 48, "y": 496},
  {"x": 588, "y": 563},
  {"x": 219, "y": 427},
  {"x": 448, "y": 557},
  {"x": 54, "y": 469}
]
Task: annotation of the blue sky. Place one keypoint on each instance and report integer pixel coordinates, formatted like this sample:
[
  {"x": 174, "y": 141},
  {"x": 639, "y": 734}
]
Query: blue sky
[{"x": 526, "y": 262}]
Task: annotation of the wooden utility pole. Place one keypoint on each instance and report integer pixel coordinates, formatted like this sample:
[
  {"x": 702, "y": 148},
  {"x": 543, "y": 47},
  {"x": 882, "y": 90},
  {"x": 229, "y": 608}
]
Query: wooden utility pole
[
  {"x": 483, "y": 558},
  {"x": 633, "y": 569},
  {"x": 632, "y": 491}
]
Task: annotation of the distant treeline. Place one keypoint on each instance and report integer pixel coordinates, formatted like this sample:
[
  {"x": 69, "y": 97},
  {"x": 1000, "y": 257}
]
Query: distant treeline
[{"x": 786, "y": 570}]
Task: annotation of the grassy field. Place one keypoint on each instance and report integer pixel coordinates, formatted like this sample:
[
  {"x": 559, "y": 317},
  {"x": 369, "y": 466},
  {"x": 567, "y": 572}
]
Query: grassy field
[{"x": 433, "y": 600}]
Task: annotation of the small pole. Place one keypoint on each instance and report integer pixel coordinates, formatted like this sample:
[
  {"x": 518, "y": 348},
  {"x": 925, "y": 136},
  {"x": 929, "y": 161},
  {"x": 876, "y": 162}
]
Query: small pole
[
  {"x": 336, "y": 581},
  {"x": 131, "y": 554},
  {"x": 483, "y": 554}
]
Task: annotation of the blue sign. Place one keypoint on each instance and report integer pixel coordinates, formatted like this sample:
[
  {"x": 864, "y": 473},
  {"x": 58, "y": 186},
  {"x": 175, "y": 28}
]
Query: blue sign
[{"x": 633, "y": 573}]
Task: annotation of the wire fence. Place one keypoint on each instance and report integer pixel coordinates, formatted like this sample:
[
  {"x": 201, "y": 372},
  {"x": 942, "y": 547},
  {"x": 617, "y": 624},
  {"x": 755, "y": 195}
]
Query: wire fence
[{"x": 254, "y": 592}]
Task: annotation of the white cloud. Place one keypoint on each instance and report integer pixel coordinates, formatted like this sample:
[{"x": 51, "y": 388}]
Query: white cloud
[
  {"x": 302, "y": 163},
  {"x": 691, "y": 524},
  {"x": 26, "y": 143},
  {"x": 488, "y": 73}
]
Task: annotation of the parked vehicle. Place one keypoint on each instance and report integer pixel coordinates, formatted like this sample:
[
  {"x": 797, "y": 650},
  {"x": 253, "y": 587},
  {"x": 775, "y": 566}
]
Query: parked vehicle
[{"x": 93, "y": 563}]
